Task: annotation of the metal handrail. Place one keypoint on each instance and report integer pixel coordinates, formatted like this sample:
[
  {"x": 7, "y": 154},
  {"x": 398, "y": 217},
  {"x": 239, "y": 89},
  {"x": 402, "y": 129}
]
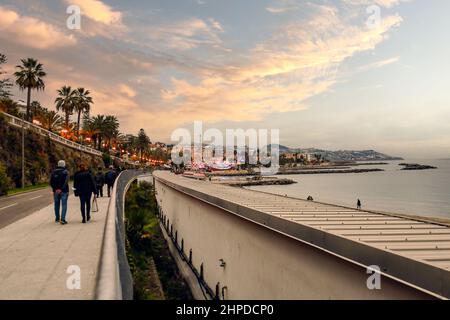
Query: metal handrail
[
  {"x": 44, "y": 132},
  {"x": 114, "y": 280}
]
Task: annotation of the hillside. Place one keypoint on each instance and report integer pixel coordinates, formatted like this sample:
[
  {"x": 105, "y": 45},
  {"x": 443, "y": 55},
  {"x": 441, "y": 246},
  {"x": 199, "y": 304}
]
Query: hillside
[
  {"x": 41, "y": 154},
  {"x": 343, "y": 155}
]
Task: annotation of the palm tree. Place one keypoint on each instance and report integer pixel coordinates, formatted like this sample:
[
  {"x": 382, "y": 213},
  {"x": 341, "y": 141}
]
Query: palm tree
[
  {"x": 68, "y": 131},
  {"x": 142, "y": 143},
  {"x": 5, "y": 84},
  {"x": 110, "y": 129},
  {"x": 96, "y": 124},
  {"x": 82, "y": 104},
  {"x": 51, "y": 121},
  {"x": 90, "y": 131},
  {"x": 9, "y": 106},
  {"x": 36, "y": 109},
  {"x": 65, "y": 103},
  {"x": 29, "y": 76}
]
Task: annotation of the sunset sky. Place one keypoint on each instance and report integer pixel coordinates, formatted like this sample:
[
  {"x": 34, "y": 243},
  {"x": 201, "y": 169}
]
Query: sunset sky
[{"x": 313, "y": 69}]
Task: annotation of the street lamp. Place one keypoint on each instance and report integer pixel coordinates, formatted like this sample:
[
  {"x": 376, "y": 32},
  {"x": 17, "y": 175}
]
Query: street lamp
[{"x": 23, "y": 145}]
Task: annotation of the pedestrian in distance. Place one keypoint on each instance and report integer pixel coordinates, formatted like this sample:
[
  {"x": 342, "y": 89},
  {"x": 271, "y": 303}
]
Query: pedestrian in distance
[
  {"x": 358, "y": 204},
  {"x": 99, "y": 182},
  {"x": 110, "y": 178},
  {"x": 59, "y": 181},
  {"x": 85, "y": 187}
]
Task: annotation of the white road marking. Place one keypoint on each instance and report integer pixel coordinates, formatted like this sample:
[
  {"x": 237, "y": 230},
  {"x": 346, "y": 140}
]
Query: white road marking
[
  {"x": 11, "y": 205},
  {"x": 35, "y": 198}
]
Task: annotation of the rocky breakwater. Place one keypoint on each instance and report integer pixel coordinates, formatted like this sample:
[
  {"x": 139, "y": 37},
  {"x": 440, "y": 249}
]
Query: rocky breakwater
[{"x": 415, "y": 166}]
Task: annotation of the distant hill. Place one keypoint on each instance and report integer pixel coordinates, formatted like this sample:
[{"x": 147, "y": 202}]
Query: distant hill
[{"x": 342, "y": 155}]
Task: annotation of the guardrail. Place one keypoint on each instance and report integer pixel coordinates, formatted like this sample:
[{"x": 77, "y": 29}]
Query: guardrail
[
  {"x": 114, "y": 280},
  {"x": 17, "y": 122}
]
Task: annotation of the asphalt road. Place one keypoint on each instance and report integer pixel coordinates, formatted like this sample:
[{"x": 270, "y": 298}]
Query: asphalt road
[{"x": 19, "y": 206}]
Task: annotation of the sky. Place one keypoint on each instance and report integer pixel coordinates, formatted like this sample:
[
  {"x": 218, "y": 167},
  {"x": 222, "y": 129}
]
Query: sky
[{"x": 325, "y": 73}]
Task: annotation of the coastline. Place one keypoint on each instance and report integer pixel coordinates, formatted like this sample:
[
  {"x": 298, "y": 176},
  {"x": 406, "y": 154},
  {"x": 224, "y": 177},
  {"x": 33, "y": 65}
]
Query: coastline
[{"x": 438, "y": 220}]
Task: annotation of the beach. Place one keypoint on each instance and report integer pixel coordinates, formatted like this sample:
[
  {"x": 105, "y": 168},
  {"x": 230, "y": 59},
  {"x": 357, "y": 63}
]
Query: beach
[{"x": 420, "y": 193}]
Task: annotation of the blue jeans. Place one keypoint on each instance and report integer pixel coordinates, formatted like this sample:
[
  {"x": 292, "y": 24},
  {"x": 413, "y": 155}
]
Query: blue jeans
[
  {"x": 85, "y": 201},
  {"x": 58, "y": 199}
]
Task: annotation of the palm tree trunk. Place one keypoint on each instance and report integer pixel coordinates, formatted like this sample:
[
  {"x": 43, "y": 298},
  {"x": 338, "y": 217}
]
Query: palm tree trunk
[
  {"x": 78, "y": 123},
  {"x": 28, "y": 103},
  {"x": 67, "y": 120}
]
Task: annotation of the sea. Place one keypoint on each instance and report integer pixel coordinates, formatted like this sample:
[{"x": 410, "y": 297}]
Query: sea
[{"x": 417, "y": 192}]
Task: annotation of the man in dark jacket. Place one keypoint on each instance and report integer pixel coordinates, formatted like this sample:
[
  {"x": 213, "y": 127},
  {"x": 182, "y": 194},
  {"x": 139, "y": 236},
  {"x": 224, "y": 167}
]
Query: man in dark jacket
[
  {"x": 99, "y": 182},
  {"x": 59, "y": 182},
  {"x": 84, "y": 186},
  {"x": 110, "y": 178}
]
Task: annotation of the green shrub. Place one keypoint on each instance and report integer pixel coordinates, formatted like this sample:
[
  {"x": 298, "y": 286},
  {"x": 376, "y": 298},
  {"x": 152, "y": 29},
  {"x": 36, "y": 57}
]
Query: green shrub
[{"x": 4, "y": 180}]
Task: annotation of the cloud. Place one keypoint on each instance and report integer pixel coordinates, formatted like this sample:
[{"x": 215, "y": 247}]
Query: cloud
[
  {"x": 379, "y": 64},
  {"x": 299, "y": 61},
  {"x": 171, "y": 73},
  {"x": 127, "y": 91},
  {"x": 383, "y": 3},
  {"x": 283, "y": 6},
  {"x": 98, "y": 11},
  {"x": 187, "y": 34},
  {"x": 32, "y": 32}
]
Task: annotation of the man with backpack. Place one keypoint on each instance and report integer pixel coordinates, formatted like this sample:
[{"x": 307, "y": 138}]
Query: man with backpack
[
  {"x": 110, "y": 178},
  {"x": 59, "y": 182}
]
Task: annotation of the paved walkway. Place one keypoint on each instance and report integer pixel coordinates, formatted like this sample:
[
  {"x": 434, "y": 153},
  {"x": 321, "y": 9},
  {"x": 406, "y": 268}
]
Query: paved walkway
[{"x": 35, "y": 254}]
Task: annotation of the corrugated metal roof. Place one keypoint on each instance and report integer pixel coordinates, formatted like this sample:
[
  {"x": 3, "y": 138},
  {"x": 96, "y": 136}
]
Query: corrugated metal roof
[{"x": 416, "y": 240}]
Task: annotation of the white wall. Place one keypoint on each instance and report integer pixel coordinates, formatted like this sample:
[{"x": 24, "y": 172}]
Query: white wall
[{"x": 261, "y": 263}]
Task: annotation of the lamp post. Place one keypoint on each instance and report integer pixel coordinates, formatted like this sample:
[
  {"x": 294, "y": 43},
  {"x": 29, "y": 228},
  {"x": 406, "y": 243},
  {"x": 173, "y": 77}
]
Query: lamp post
[{"x": 23, "y": 147}]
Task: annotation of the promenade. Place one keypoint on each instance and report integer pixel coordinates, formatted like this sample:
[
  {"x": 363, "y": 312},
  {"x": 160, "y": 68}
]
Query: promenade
[
  {"x": 407, "y": 251},
  {"x": 36, "y": 254}
]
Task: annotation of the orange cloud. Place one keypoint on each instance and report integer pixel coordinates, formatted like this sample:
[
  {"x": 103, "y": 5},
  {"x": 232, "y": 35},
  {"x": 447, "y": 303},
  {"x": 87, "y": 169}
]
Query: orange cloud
[
  {"x": 127, "y": 91},
  {"x": 98, "y": 11},
  {"x": 300, "y": 61},
  {"x": 32, "y": 32}
]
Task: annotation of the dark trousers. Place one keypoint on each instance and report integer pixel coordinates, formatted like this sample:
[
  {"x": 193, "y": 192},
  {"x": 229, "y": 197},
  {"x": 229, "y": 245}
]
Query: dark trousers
[
  {"x": 110, "y": 186},
  {"x": 85, "y": 201},
  {"x": 99, "y": 191}
]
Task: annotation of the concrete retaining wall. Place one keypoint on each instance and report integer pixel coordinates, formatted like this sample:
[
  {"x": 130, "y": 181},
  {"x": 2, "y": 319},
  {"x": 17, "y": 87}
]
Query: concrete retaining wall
[{"x": 261, "y": 263}]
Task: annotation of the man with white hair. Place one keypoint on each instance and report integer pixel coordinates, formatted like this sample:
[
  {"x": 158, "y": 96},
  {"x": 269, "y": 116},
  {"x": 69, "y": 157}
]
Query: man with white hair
[{"x": 59, "y": 182}]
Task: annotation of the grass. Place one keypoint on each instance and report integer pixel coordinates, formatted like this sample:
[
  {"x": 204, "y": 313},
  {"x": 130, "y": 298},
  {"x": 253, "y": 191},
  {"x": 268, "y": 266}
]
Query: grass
[{"x": 27, "y": 188}]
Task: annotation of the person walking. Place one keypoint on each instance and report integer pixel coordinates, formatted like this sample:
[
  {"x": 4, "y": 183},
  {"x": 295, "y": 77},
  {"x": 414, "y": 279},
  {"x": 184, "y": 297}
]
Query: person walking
[
  {"x": 110, "y": 178},
  {"x": 84, "y": 186},
  {"x": 59, "y": 181},
  {"x": 99, "y": 182},
  {"x": 358, "y": 204}
]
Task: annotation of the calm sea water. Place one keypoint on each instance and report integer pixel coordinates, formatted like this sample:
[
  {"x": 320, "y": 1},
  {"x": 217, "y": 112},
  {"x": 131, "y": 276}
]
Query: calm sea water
[{"x": 425, "y": 192}]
